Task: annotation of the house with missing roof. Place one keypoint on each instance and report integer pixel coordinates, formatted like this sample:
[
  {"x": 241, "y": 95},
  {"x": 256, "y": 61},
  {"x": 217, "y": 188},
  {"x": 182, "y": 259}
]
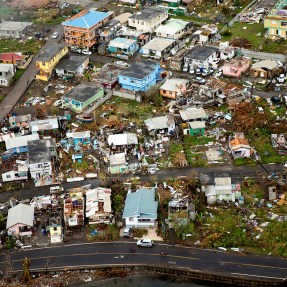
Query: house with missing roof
[
  {"x": 20, "y": 220},
  {"x": 82, "y": 97},
  {"x": 11, "y": 58},
  {"x": 173, "y": 29},
  {"x": 82, "y": 29},
  {"x": 13, "y": 29},
  {"x": 13, "y": 175},
  {"x": 7, "y": 72},
  {"x": 20, "y": 121},
  {"x": 236, "y": 67},
  {"x": 42, "y": 160},
  {"x": 140, "y": 76},
  {"x": 140, "y": 209},
  {"x": 98, "y": 205},
  {"x": 201, "y": 56},
  {"x": 148, "y": 19},
  {"x": 79, "y": 138},
  {"x": 161, "y": 125},
  {"x": 174, "y": 88},
  {"x": 45, "y": 126},
  {"x": 239, "y": 146},
  {"x": 122, "y": 46},
  {"x": 157, "y": 47},
  {"x": 19, "y": 144},
  {"x": 48, "y": 58},
  {"x": 74, "y": 65}
]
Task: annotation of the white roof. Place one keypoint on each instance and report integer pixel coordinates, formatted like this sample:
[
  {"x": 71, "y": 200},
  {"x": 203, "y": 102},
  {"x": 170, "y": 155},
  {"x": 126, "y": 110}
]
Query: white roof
[
  {"x": 158, "y": 44},
  {"x": 121, "y": 43},
  {"x": 172, "y": 26},
  {"x": 197, "y": 124},
  {"x": 94, "y": 196},
  {"x": 221, "y": 181},
  {"x": 43, "y": 125},
  {"x": 6, "y": 67},
  {"x": 159, "y": 123},
  {"x": 122, "y": 139},
  {"x": 20, "y": 213},
  {"x": 192, "y": 113},
  {"x": 174, "y": 85},
  {"x": 268, "y": 64},
  {"x": 118, "y": 158},
  {"x": 123, "y": 18},
  {"x": 20, "y": 141},
  {"x": 13, "y": 25},
  {"x": 78, "y": 135},
  {"x": 4, "y": 137}
]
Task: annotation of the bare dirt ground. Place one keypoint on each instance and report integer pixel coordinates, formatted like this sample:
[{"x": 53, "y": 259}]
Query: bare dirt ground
[{"x": 28, "y": 4}]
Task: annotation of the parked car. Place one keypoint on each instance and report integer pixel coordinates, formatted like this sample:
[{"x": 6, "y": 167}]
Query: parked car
[
  {"x": 127, "y": 231},
  {"x": 58, "y": 103},
  {"x": 39, "y": 35},
  {"x": 86, "y": 52},
  {"x": 185, "y": 67},
  {"x": 76, "y": 49},
  {"x": 198, "y": 71},
  {"x": 207, "y": 72},
  {"x": 145, "y": 243},
  {"x": 55, "y": 35},
  {"x": 200, "y": 80},
  {"x": 191, "y": 69},
  {"x": 281, "y": 78}
]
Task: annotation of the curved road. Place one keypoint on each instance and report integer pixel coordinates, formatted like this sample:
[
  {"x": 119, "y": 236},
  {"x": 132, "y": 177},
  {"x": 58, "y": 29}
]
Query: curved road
[{"x": 114, "y": 253}]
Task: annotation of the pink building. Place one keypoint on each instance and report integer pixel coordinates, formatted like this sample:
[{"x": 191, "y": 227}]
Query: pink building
[
  {"x": 235, "y": 67},
  {"x": 20, "y": 220}
]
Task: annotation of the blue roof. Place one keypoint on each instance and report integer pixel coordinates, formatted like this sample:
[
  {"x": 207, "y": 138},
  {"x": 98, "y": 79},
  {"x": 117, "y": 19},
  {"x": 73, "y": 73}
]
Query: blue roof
[
  {"x": 141, "y": 204},
  {"x": 88, "y": 20}
]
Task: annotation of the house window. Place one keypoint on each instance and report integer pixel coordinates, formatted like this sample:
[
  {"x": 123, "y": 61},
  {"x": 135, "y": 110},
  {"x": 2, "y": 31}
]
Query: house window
[
  {"x": 170, "y": 92},
  {"x": 131, "y": 219},
  {"x": 8, "y": 176}
]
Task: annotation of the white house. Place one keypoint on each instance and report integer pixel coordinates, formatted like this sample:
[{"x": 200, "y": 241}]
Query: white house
[
  {"x": 173, "y": 29},
  {"x": 148, "y": 19},
  {"x": 20, "y": 174},
  {"x": 193, "y": 114},
  {"x": 239, "y": 146},
  {"x": 73, "y": 65},
  {"x": 7, "y": 72},
  {"x": 13, "y": 29},
  {"x": 40, "y": 157},
  {"x": 157, "y": 47},
  {"x": 201, "y": 56},
  {"x": 140, "y": 208}
]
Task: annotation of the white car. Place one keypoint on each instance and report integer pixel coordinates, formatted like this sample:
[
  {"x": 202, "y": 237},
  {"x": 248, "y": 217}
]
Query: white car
[
  {"x": 55, "y": 35},
  {"x": 145, "y": 243},
  {"x": 281, "y": 78},
  {"x": 200, "y": 80},
  {"x": 191, "y": 70},
  {"x": 86, "y": 52},
  {"x": 58, "y": 103},
  {"x": 185, "y": 67},
  {"x": 76, "y": 49}
]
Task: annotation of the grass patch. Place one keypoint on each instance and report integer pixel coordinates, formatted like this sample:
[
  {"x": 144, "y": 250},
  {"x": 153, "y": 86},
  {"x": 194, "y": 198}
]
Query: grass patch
[
  {"x": 2, "y": 98},
  {"x": 18, "y": 74},
  {"x": 244, "y": 161},
  {"x": 30, "y": 46},
  {"x": 250, "y": 33},
  {"x": 6, "y": 12},
  {"x": 197, "y": 140}
]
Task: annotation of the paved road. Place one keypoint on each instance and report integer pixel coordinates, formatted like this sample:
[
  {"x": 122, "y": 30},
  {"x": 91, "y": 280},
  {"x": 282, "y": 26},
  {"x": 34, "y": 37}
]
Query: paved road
[
  {"x": 236, "y": 172},
  {"x": 92, "y": 254}
]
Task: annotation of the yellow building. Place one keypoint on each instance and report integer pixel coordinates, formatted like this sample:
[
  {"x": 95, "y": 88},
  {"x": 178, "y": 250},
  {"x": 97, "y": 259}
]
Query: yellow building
[
  {"x": 49, "y": 57},
  {"x": 276, "y": 21}
]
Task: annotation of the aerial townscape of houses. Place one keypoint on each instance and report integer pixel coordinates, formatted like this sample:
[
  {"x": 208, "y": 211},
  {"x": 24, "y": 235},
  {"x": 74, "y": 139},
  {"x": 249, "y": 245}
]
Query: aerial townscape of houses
[{"x": 147, "y": 92}]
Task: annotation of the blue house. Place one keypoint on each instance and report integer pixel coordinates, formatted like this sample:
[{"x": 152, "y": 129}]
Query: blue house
[
  {"x": 123, "y": 46},
  {"x": 140, "y": 76},
  {"x": 20, "y": 144},
  {"x": 79, "y": 138}
]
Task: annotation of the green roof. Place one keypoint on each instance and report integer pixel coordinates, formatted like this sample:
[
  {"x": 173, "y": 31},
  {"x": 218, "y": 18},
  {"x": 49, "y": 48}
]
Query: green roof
[{"x": 141, "y": 204}]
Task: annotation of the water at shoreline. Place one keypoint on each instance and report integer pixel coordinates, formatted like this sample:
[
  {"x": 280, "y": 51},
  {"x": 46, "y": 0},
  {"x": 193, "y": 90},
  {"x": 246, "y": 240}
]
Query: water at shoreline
[{"x": 138, "y": 281}]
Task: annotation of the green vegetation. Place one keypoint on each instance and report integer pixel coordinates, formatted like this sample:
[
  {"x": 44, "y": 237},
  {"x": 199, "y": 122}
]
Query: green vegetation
[
  {"x": 197, "y": 140},
  {"x": 31, "y": 46},
  {"x": 2, "y": 98},
  {"x": 251, "y": 33},
  {"x": 18, "y": 74},
  {"x": 5, "y": 12},
  {"x": 103, "y": 233},
  {"x": 244, "y": 161}
]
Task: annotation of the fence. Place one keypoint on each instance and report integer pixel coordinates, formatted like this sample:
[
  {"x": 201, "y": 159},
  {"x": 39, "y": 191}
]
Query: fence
[{"x": 100, "y": 102}]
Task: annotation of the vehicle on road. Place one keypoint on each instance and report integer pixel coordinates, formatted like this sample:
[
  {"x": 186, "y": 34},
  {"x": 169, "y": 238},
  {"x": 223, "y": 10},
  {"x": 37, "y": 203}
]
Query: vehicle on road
[
  {"x": 185, "y": 67},
  {"x": 76, "y": 49},
  {"x": 127, "y": 231},
  {"x": 145, "y": 243},
  {"x": 55, "y": 35},
  {"x": 86, "y": 52}
]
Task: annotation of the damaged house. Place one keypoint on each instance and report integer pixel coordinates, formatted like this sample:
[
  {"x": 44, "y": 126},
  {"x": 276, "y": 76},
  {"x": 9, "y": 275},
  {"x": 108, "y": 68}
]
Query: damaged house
[
  {"x": 164, "y": 125},
  {"x": 98, "y": 205},
  {"x": 239, "y": 146}
]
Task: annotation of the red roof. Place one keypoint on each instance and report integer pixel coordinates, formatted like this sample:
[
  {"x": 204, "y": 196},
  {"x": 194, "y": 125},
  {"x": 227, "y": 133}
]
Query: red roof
[{"x": 11, "y": 56}]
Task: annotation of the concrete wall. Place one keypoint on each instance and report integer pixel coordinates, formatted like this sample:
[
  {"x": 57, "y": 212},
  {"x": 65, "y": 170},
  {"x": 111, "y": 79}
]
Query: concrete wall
[
  {"x": 203, "y": 277},
  {"x": 128, "y": 96},
  {"x": 263, "y": 56}
]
